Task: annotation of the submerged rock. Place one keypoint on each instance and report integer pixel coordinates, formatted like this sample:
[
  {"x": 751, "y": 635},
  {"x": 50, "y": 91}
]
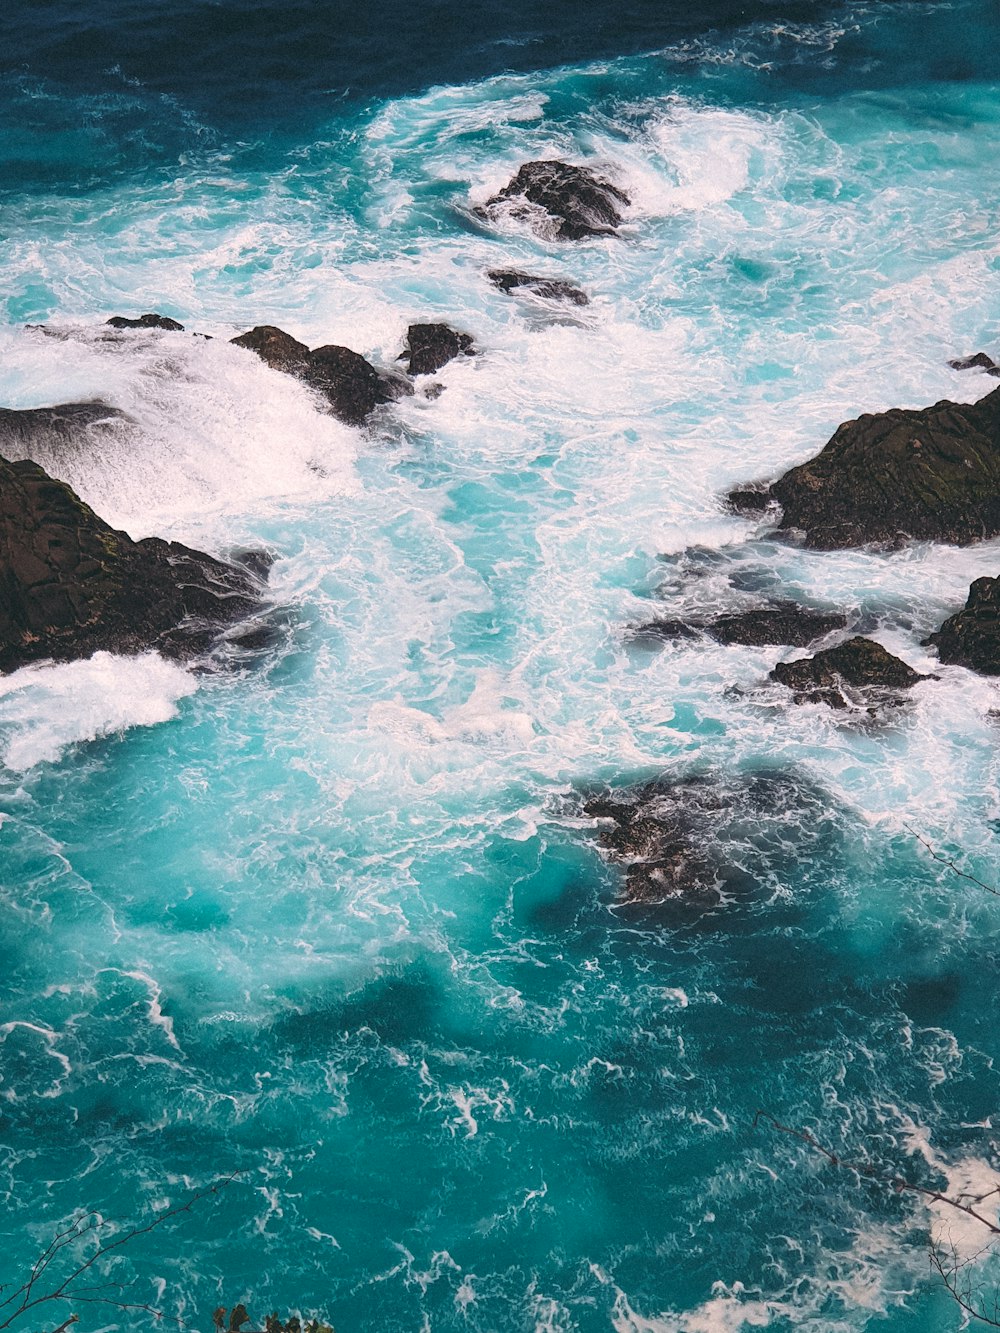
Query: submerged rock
[
  {"x": 971, "y": 638},
  {"x": 778, "y": 623},
  {"x": 693, "y": 843},
  {"x": 549, "y": 289},
  {"x": 930, "y": 474},
  {"x": 431, "y": 346},
  {"x": 980, "y": 361},
  {"x": 351, "y": 385},
  {"x": 859, "y": 664},
  {"x": 71, "y": 585},
  {"x": 580, "y": 203},
  {"x": 146, "y": 322}
]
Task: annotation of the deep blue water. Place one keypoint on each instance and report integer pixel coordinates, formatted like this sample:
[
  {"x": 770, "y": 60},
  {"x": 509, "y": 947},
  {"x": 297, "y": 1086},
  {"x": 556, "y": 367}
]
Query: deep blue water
[{"x": 332, "y": 918}]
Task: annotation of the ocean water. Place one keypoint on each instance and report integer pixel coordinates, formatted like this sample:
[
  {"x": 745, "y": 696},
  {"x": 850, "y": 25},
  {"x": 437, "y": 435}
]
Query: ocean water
[{"x": 331, "y": 916}]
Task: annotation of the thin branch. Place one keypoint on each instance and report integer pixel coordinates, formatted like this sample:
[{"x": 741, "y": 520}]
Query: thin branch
[
  {"x": 88, "y": 1222},
  {"x": 873, "y": 1172},
  {"x": 950, "y": 864}
]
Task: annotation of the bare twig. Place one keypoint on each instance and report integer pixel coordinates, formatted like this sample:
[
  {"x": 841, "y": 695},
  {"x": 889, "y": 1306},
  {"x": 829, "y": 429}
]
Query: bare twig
[{"x": 950, "y": 864}]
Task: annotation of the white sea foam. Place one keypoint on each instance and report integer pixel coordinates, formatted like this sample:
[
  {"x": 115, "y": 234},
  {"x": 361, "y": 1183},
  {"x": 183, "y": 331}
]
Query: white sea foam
[{"x": 45, "y": 707}]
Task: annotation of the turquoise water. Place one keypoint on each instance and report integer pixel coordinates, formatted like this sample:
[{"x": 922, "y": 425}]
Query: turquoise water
[{"x": 332, "y": 918}]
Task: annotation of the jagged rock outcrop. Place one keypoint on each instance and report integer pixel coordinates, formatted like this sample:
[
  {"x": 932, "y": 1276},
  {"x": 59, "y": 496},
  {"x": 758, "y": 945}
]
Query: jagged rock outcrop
[
  {"x": 65, "y": 427},
  {"x": 971, "y": 637},
  {"x": 778, "y": 623},
  {"x": 71, "y": 585},
  {"x": 548, "y": 289},
  {"x": 431, "y": 346},
  {"x": 351, "y": 385},
  {"x": 146, "y": 322},
  {"x": 579, "y": 202},
  {"x": 979, "y": 361},
  {"x": 931, "y": 474},
  {"x": 692, "y": 843},
  {"x": 859, "y": 670}
]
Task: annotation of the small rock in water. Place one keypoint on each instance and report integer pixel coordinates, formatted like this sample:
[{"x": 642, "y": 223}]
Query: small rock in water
[
  {"x": 146, "y": 322},
  {"x": 971, "y": 637},
  {"x": 859, "y": 664},
  {"x": 549, "y": 289},
  {"x": 980, "y": 361},
  {"x": 580, "y": 202},
  {"x": 431, "y": 346}
]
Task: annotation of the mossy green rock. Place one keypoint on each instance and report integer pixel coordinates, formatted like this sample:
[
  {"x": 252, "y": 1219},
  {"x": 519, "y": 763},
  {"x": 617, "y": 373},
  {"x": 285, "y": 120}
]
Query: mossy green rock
[
  {"x": 971, "y": 638},
  {"x": 931, "y": 474},
  {"x": 71, "y": 585}
]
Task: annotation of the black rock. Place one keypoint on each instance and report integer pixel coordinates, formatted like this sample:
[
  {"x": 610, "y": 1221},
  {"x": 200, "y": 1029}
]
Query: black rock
[
  {"x": 71, "y": 585},
  {"x": 693, "y": 843},
  {"x": 582, "y": 203},
  {"x": 146, "y": 322},
  {"x": 971, "y": 637},
  {"x": 779, "y": 623},
  {"x": 859, "y": 664},
  {"x": 431, "y": 346},
  {"x": 351, "y": 385},
  {"x": 980, "y": 361},
  {"x": 279, "y": 349},
  {"x": 931, "y": 474},
  {"x": 549, "y": 289}
]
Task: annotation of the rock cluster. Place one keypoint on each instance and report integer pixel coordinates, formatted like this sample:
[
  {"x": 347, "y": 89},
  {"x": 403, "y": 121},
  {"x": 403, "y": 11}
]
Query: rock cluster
[{"x": 577, "y": 201}]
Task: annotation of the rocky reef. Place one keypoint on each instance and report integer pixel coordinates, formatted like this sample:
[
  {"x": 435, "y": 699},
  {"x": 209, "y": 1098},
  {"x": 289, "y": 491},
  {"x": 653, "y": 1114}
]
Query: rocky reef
[
  {"x": 971, "y": 638},
  {"x": 146, "y": 322},
  {"x": 577, "y": 202},
  {"x": 778, "y": 623},
  {"x": 857, "y": 671},
  {"x": 71, "y": 585},
  {"x": 931, "y": 474}
]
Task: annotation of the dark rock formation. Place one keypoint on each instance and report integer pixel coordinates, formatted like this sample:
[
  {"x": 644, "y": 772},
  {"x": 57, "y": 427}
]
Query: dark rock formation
[
  {"x": 33, "y": 431},
  {"x": 980, "y": 361},
  {"x": 279, "y": 349},
  {"x": 71, "y": 585},
  {"x": 858, "y": 665},
  {"x": 549, "y": 289},
  {"x": 351, "y": 385},
  {"x": 931, "y": 474},
  {"x": 431, "y": 346},
  {"x": 692, "y": 844},
  {"x": 146, "y": 322},
  {"x": 581, "y": 203},
  {"x": 779, "y": 623},
  {"x": 971, "y": 638}
]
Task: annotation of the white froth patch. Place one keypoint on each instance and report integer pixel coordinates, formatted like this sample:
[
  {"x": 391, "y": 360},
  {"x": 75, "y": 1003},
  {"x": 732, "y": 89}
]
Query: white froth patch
[
  {"x": 46, "y": 707},
  {"x": 210, "y": 430}
]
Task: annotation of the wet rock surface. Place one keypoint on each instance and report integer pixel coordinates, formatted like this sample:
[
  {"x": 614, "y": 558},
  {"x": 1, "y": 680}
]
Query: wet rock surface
[
  {"x": 431, "y": 346},
  {"x": 690, "y": 845},
  {"x": 548, "y": 289},
  {"x": 778, "y": 623},
  {"x": 971, "y": 638},
  {"x": 859, "y": 670},
  {"x": 931, "y": 474},
  {"x": 51, "y": 431},
  {"x": 579, "y": 202},
  {"x": 351, "y": 385},
  {"x": 150, "y": 321},
  {"x": 71, "y": 585},
  {"x": 979, "y": 361}
]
